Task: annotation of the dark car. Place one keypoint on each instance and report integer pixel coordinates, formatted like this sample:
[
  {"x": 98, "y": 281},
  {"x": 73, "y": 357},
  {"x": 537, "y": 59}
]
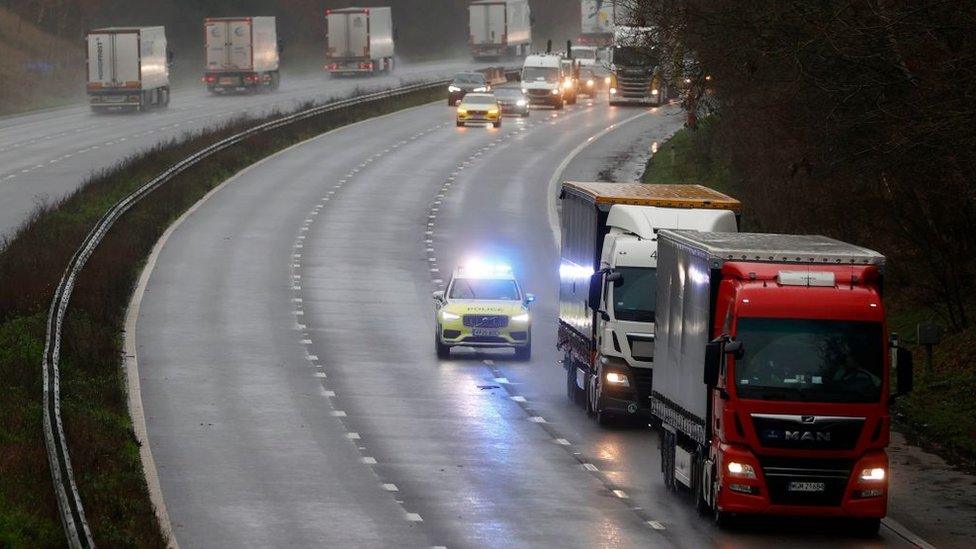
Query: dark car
[
  {"x": 465, "y": 83},
  {"x": 512, "y": 101}
]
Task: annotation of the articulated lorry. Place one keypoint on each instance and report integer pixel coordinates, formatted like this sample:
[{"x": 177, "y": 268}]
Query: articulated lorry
[
  {"x": 499, "y": 28},
  {"x": 598, "y": 18},
  {"x": 608, "y": 262},
  {"x": 636, "y": 77},
  {"x": 771, "y": 375},
  {"x": 128, "y": 68},
  {"x": 359, "y": 41},
  {"x": 242, "y": 54}
]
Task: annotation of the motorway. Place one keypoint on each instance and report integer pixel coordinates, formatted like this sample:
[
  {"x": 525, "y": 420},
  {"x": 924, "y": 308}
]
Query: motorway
[
  {"x": 46, "y": 155},
  {"x": 291, "y": 390}
]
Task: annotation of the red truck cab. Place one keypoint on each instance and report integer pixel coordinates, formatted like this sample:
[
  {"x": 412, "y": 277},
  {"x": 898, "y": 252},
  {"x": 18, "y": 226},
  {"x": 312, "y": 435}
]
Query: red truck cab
[{"x": 772, "y": 375}]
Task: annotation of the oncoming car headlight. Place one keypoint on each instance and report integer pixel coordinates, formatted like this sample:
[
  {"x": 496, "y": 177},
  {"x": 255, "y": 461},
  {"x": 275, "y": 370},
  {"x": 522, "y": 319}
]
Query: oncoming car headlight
[
  {"x": 523, "y": 317},
  {"x": 448, "y": 316},
  {"x": 482, "y": 89},
  {"x": 555, "y": 92},
  {"x": 520, "y": 102},
  {"x": 453, "y": 88}
]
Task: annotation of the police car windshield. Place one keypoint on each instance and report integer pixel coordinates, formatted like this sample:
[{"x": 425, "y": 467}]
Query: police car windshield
[
  {"x": 484, "y": 288},
  {"x": 809, "y": 360}
]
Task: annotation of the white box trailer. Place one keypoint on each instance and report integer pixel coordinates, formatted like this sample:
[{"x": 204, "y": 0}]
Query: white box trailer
[
  {"x": 499, "y": 28},
  {"x": 242, "y": 53},
  {"x": 359, "y": 41},
  {"x": 128, "y": 68}
]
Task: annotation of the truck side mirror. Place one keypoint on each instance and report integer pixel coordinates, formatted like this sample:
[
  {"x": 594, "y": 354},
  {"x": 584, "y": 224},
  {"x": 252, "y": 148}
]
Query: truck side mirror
[
  {"x": 713, "y": 363},
  {"x": 735, "y": 349},
  {"x": 596, "y": 287},
  {"x": 617, "y": 278},
  {"x": 905, "y": 364}
]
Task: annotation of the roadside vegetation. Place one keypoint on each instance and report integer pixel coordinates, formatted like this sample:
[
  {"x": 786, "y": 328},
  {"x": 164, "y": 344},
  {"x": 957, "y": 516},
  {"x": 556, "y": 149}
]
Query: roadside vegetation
[{"x": 103, "y": 448}]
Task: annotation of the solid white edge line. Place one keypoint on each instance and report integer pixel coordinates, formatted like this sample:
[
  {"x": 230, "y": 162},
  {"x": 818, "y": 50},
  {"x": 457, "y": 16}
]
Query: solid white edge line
[
  {"x": 557, "y": 175},
  {"x": 903, "y": 532},
  {"x": 136, "y": 410}
]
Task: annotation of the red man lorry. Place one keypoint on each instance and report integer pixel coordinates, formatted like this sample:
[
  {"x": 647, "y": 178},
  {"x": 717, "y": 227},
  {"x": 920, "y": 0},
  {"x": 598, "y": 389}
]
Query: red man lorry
[{"x": 771, "y": 375}]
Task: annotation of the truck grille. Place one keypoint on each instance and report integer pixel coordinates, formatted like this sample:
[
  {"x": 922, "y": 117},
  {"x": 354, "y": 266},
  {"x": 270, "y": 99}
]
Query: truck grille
[
  {"x": 643, "y": 384},
  {"x": 807, "y": 432},
  {"x": 784, "y": 474},
  {"x": 485, "y": 321},
  {"x": 633, "y": 86}
]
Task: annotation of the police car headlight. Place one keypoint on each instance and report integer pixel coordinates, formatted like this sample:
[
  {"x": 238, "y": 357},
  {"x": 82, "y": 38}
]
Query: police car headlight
[
  {"x": 742, "y": 470},
  {"x": 446, "y": 316},
  {"x": 524, "y": 317}
]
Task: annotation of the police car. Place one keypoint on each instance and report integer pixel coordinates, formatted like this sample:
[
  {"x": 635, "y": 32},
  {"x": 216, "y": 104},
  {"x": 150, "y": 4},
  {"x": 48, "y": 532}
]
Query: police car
[{"x": 483, "y": 306}]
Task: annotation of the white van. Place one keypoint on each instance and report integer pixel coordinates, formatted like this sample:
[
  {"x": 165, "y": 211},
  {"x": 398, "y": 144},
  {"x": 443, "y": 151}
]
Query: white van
[{"x": 542, "y": 80}]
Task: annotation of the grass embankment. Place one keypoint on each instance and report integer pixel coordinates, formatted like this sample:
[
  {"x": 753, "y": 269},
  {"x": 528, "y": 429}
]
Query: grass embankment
[
  {"x": 941, "y": 413},
  {"x": 103, "y": 449}
]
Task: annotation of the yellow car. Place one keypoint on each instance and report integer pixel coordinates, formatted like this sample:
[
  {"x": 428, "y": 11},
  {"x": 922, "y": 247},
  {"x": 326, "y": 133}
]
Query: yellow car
[
  {"x": 483, "y": 307},
  {"x": 479, "y": 107}
]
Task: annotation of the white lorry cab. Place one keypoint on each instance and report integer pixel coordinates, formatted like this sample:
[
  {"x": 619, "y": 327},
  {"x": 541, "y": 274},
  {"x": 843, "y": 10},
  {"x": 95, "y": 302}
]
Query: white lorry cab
[
  {"x": 608, "y": 274},
  {"x": 543, "y": 76}
]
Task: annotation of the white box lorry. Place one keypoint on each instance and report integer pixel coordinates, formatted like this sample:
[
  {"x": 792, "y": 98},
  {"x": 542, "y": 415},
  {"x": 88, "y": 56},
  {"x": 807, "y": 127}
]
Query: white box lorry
[
  {"x": 242, "y": 54},
  {"x": 499, "y": 28},
  {"x": 128, "y": 68},
  {"x": 359, "y": 41},
  {"x": 607, "y": 274}
]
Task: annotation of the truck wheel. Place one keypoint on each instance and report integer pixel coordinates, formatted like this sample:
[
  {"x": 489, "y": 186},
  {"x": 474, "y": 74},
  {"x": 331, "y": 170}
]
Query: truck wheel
[
  {"x": 667, "y": 459},
  {"x": 165, "y": 102},
  {"x": 571, "y": 388},
  {"x": 866, "y": 528},
  {"x": 724, "y": 519}
]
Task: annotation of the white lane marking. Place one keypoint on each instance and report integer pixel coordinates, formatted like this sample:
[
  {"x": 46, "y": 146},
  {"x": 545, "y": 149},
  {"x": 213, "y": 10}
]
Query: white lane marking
[
  {"x": 320, "y": 375},
  {"x": 655, "y": 525},
  {"x": 353, "y": 436},
  {"x": 562, "y": 442},
  {"x": 537, "y": 419},
  {"x": 621, "y": 494},
  {"x": 414, "y": 517},
  {"x": 902, "y": 531},
  {"x": 312, "y": 358},
  {"x": 306, "y": 342},
  {"x": 391, "y": 487},
  {"x": 489, "y": 362},
  {"x": 518, "y": 398},
  {"x": 501, "y": 380},
  {"x": 557, "y": 175},
  {"x": 590, "y": 467},
  {"x": 369, "y": 460},
  {"x": 329, "y": 393},
  {"x": 338, "y": 413}
]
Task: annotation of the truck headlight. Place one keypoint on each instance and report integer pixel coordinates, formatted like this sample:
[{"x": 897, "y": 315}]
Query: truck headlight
[
  {"x": 453, "y": 88},
  {"x": 524, "y": 317},
  {"x": 620, "y": 380},
  {"x": 613, "y": 91},
  {"x": 873, "y": 474},
  {"x": 654, "y": 92},
  {"x": 447, "y": 316},
  {"x": 590, "y": 83},
  {"x": 742, "y": 470},
  {"x": 482, "y": 89}
]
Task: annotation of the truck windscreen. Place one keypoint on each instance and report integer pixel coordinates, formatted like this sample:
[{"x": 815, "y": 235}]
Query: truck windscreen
[
  {"x": 809, "y": 360},
  {"x": 540, "y": 74},
  {"x": 626, "y": 56},
  {"x": 636, "y": 296}
]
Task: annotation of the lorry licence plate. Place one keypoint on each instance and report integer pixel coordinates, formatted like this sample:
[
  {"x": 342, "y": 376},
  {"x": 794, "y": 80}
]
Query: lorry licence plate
[
  {"x": 483, "y": 332},
  {"x": 800, "y": 486},
  {"x": 228, "y": 81}
]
